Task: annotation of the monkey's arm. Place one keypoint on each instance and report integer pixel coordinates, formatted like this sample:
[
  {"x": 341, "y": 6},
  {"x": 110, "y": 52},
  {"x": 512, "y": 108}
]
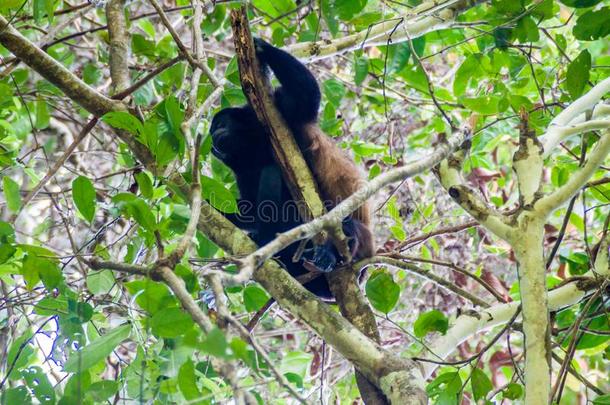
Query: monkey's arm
[{"x": 299, "y": 97}]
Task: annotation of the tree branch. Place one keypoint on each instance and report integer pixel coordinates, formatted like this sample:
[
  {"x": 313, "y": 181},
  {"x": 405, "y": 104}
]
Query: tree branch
[
  {"x": 55, "y": 72},
  {"x": 119, "y": 41},
  {"x": 449, "y": 176},
  {"x": 77, "y": 90},
  {"x": 426, "y": 274},
  {"x": 427, "y": 17},
  {"x": 349, "y": 205},
  {"x": 577, "y": 180},
  {"x": 555, "y": 131},
  {"x": 471, "y": 323}
]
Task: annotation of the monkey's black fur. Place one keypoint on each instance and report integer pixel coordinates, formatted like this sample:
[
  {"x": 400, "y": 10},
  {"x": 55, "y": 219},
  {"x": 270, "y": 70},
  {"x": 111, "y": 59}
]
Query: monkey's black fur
[{"x": 266, "y": 206}]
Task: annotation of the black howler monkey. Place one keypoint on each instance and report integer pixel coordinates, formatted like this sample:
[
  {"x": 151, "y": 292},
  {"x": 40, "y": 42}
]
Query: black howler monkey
[{"x": 266, "y": 206}]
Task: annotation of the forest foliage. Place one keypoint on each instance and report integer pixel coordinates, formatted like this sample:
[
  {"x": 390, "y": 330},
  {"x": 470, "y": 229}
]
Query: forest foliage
[{"x": 75, "y": 188}]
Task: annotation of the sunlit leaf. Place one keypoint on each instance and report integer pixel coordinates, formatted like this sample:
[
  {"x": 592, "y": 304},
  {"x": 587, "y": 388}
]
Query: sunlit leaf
[
  {"x": 578, "y": 73},
  {"x": 254, "y": 298},
  {"x": 83, "y": 195},
  {"x": 97, "y": 350},
  {"x": 432, "y": 321},
  {"x": 382, "y": 291},
  {"x": 11, "y": 194}
]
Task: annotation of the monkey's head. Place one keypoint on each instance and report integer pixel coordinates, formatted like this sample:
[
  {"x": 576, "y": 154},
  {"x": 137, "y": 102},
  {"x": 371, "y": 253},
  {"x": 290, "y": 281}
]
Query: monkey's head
[{"x": 233, "y": 130}]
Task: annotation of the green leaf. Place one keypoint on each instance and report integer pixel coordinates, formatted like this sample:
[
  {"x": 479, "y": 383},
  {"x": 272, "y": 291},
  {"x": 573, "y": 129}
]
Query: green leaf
[
  {"x": 507, "y": 6},
  {"x": 142, "y": 46},
  {"x": 254, "y": 298},
  {"x": 294, "y": 379},
  {"x": 346, "y": 9},
  {"x": 545, "y": 9},
  {"x": 174, "y": 113},
  {"x": 42, "y": 114},
  {"x": 52, "y": 306},
  {"x": 578, "y": 263},
  {"x": 20, "y": 353},
  {"x": 361, "y": 69},
  {"x": 83, "y": 195},
  {"x": 80, "y": 312},
  {"x": 400, "y": 54},
  {"x": 527, "y": 30},
  {"x": 171, "y": 323},
  {"x": 100, "y": 391},
  {"x": 416, "y": 77},
  {"x": 233, "y": 96},
  {"x": 136, "y": 208},
  {"x": 187, "y": 382},
  {"x": 480, "y": 383},
  {"x": 218, "y": 196},
  {"x": 334, "y": 91},
  {"x": 330, "y": 16},
  {"x": 600, "y": 193},
  {"x": 10, "y": 4},
  {"x": 560, "y": 175},
  {"x": 38, "y": 10},
  {"x": 365, "y": 20},
  {"x": 49, "y": 6},
  {"x": 100, "y": 282},
  {"x": 382, "y": 291},
  {"x": 448, "y": 383},
  {"x": 97, "y": 350},
  {"x": 578, "y": 74},
  {"x": 398, "y": 232},
  {"x": 6, "y": 251},
  {"x": 602, "y": 400},
  {"x": 274, "y": 7},
  {"x": 366, "y": 149},
  {"x": 17, "y": 395},
  {"x": 37, "y": 380},
  {"x": 126, "y": 121},
  {"x": 517, "y": 102},
  {"x": 486, "y": 105},
  {"x": 513, "y": 391},
  {"x": 591, "y": 340},
  {"x": 215, "y": 344},
  {"x": 580, "y": 3},
  {"x": 432, "y": 321},
  {"x": 593, "y": 24},
  {"x": 49, "y": 272},
  {"x": 29, "y": 271},
  {"x": 470, "y": 68},
  {"x": 151, "y": 296},
  {"x": 7, "y": 233},
  {"x": 11, "y": 194},
  {"x": 205, "y": 247},
  {"x": 145, "y": 184},
  {"x": 91, "y": 74}
]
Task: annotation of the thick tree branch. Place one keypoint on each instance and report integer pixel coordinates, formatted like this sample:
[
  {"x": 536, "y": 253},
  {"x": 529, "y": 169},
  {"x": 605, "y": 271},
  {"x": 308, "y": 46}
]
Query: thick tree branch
[
  {"x": 55, "y": 72},
  {"x": 427, "y": 17},
  {"x": 350, "y": 204},
  {"x": 556, "y": 129},
  {"x": 77, "y": 90},
  {"x": 256, "y": 88},
  {"x": 468, "y": 324},
  {"x": 303, "y": 189},
  {"x": 119, "y": 41},
  {"x": 577, "y": 180},
  {"x": 380, "y": 367},
  {"x": 450, "y": 178}
]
